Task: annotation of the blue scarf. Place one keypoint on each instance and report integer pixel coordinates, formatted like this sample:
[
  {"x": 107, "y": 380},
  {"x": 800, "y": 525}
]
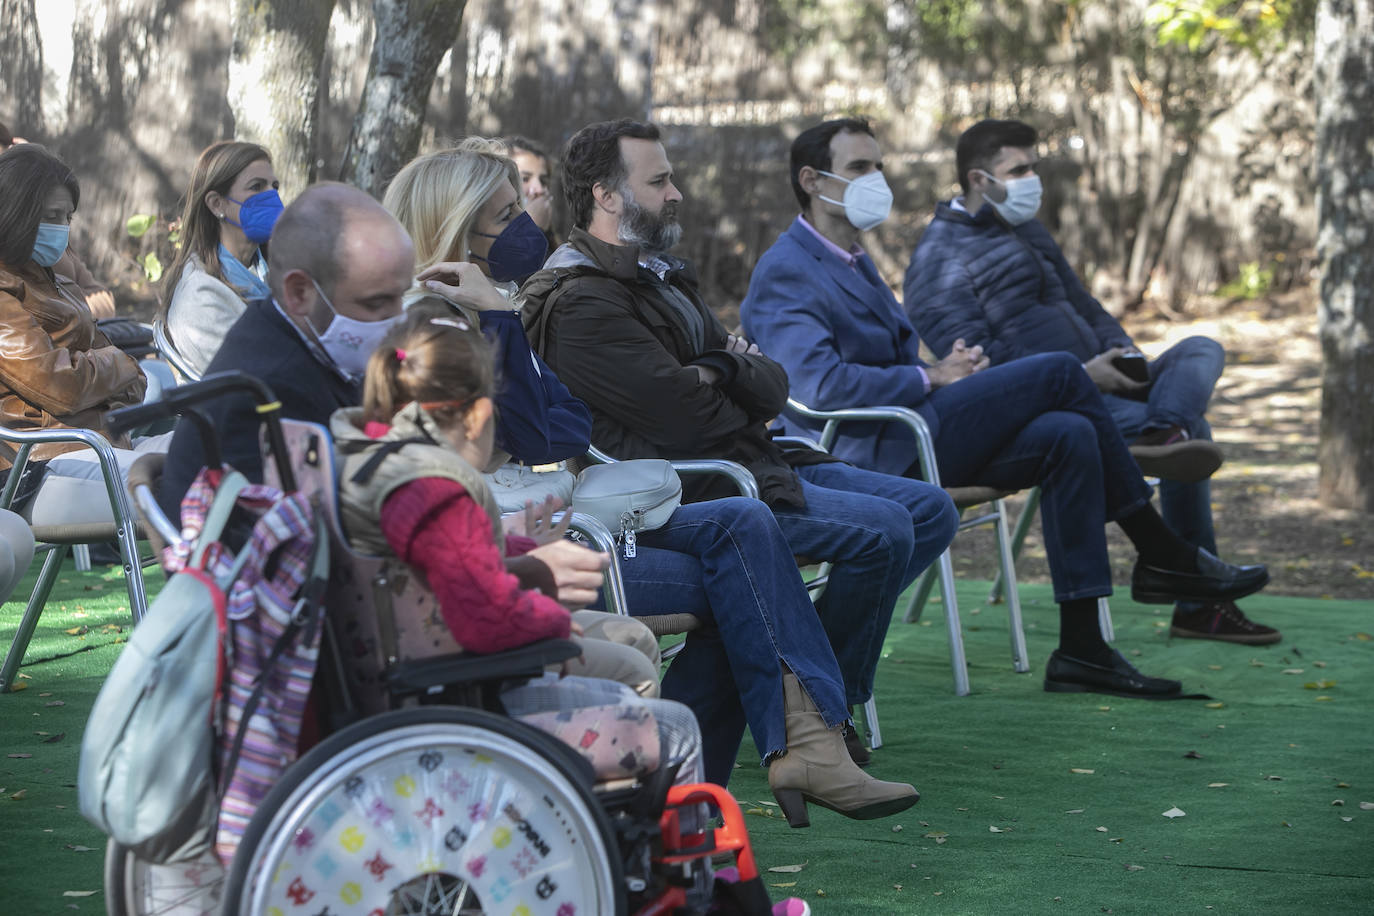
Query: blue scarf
[{"x": 248, "y": 282}]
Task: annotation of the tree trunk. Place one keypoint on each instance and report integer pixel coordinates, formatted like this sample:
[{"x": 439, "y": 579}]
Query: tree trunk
[
  {"x": 274, "y": 80},
  {"x": 411, "y": 38},
  {"x": 21, "y": 76},
  {"x": 1345, "y": 248}
]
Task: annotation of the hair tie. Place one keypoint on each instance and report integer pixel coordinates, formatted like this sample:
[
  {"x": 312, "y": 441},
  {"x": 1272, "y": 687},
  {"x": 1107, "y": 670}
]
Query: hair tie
[{"x": 400, "y": 355}]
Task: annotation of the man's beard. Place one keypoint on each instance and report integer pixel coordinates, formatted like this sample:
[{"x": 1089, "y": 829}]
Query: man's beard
[{"x": 653, "y": 233}]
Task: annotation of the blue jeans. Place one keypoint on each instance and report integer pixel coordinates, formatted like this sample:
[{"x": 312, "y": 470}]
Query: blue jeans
[
  {"x": 1040, "y": 420},
  {"x": 1183, "y": 376},
  {"x": 880, "y": 531},
  {"x": 726, "y": 561}
]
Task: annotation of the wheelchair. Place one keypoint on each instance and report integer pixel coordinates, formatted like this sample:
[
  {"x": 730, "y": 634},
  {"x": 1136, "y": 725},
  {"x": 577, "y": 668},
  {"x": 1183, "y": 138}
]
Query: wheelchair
[{"x": 423, "y": 797}]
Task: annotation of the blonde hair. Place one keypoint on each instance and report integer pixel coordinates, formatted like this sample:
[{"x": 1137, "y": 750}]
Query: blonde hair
[
  {"x": 431, "y": 355},
  {"x": 437, "y": 197}
]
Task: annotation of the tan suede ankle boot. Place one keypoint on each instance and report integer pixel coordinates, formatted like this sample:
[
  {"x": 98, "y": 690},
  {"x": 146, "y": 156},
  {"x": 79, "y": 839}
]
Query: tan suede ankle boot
[{"x": 817, "y": 768}]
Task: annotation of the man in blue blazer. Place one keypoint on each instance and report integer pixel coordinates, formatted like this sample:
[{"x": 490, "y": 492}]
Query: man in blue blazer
[{"x": 817, "y": 305}]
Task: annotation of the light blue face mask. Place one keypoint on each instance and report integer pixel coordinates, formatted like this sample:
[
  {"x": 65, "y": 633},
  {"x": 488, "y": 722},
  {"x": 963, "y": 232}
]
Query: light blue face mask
[{"x": 51, "y": 243}]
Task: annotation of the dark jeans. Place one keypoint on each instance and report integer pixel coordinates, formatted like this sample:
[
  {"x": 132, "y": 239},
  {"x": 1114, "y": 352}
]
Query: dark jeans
[
  {"x": 726, "y": 561},
  {"x": 1183, "y": 376},
  {"x": 1040, "y": 420},
  {"x": 880, "y": 532}
]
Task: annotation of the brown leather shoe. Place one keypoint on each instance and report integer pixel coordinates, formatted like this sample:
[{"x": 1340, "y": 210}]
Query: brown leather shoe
[
  {"x": 1169, "y": 454},
  {"x": 1223, "y": 622}
]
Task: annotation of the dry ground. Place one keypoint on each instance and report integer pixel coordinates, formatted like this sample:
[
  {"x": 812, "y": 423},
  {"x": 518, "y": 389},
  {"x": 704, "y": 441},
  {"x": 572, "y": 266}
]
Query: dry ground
[{"x": 1264, "y": 415}]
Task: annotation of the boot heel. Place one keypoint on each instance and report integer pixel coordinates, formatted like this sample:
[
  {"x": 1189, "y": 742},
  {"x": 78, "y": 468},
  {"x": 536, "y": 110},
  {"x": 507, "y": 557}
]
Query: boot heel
[{"x": 793, "y": 807}]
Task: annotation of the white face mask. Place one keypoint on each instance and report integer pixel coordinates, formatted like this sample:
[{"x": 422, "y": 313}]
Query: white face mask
[
  {"x": 867, "y": 200},
  {"x": 1023, "y": 198},
  {"x": 348, "y": 341}
]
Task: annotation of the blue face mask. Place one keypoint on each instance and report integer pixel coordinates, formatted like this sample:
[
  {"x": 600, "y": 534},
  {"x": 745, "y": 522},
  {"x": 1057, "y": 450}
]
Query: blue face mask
[
  {"x": 258, "y": 214},
  {"x": 51, "y": 242},
  {"x": 518, "y": 251}
]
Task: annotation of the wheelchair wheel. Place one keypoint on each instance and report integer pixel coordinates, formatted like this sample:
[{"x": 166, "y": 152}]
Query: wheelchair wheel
[
  {"x": 134, "y": 887},
  {"x": 427, "y": 811}
]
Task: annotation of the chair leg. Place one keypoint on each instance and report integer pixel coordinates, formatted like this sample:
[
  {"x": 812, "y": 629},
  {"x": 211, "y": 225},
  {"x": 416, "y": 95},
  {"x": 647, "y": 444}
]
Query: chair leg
[
  {"x": 875, "y": 734},
  {"x": 133, "y": 571},
  {"x": 52, "y": 564},
  {"x": 924, "y": 586},
  {"x": 1104, "y": 620},
  {"x": 957, "y": 661},
  {"x": 1017, "y": 539},
  {"x": 81, "y": 553},
  {"x": 1020, "y": 662}
]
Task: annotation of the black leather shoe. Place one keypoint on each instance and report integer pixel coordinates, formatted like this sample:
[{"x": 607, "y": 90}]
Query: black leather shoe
[
  {"x": 855, "y": 745},
  {"x": 1214, "y": 580},
  {"x": 1066, "y": 674}
]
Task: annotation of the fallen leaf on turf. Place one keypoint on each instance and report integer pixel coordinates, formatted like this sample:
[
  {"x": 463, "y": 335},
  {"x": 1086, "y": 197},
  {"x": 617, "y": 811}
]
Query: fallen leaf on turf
[
  {"x": 1135, "y": 868},
  {"x": 1256, "y": 663},
  {"x": 1081, "y": 771},
  {"x": 897, "y": 828},
  {"x": 55, "y": 738},
  {"x": 937, "y": 835},
  {"x": 1192, "y": 755},
  {"x": 19, "y": 686},
  {"x": 1367, "y": 806},
  {"x": 18, "y": 756},
  {"x": 77, "y": 631},
  {"x": 82, "y": 848},
  {"x": 1115, "y": 839},
  {"x": 1215, "y": 667},
  {"x": 79, "y": 893},
  {"x": 46, "y": 693},
  {"x": 1322, "y": 684},
  {"x": 1363, "y": 637},
  {"x": 1074, "y": 811},
  {"x": 1321, "y": 699},
  {"x": 20, "y": 794},
  {"x": 1291, "y": 671},
  {"x": 1104, "y": 709},
  {"x": 56, "y": 703},
  {"x": 1338, "y": 803},
  {"x": 767, "y": 804},
  {"x": 999, "y": 830},
  {"x": 1216, "y": 705},
  {"x": 1319, "y": 664},
  {"x": 1100, "y": 829},
  {"x": 1217, "y": 785},
  {"x": 896, "y": 887},
  {"x": 1175, "y": 812},
  {"x": 1275, "y": 778},
  {"x": 1347, "y": 819},
  {"x": 820, "y": 893},
  {"x": 789, "y": 869},
  {"x": 785, "y": 884},
  {"x": 1342, "y": 785},
  {"x": 941, "y": 840}
]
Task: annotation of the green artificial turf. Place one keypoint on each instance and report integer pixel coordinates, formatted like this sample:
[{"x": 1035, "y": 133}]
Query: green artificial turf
[{"x": 1268, "y": 841}]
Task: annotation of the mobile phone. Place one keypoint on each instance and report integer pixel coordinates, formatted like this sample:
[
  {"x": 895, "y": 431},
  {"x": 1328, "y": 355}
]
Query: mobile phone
[{"x": 1133, "y": 365}]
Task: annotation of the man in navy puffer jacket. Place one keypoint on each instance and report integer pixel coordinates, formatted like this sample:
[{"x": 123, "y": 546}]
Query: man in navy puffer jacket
[{"x": 988, "y": 273}]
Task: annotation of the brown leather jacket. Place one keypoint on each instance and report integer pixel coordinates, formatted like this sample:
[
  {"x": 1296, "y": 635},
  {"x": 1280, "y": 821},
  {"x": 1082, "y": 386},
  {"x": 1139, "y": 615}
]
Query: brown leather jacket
[{"x": 56, "y": 369}]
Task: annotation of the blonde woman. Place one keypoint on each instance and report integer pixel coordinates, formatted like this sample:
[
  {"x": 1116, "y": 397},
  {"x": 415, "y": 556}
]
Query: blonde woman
[
  {"x": 473, "y": 241},
  {"x": 232, "y": 204}
]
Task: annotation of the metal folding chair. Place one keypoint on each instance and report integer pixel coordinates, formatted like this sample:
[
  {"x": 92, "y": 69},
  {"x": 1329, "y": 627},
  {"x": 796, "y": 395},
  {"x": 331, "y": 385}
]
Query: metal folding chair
[
  {"x": 58, "y": 540},
  {"x": 163, "y": 341},
  {"x": 964, "y": 497}
]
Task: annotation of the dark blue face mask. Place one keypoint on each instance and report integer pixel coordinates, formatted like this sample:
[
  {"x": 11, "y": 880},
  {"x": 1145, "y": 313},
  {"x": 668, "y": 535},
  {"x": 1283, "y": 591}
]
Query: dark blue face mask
[
  {"x": 258, "y": 214},
  {"x": 518, "y": 251}
]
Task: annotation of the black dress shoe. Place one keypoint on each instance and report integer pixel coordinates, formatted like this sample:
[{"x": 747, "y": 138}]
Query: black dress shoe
[
  {"x": 1066, "y": 674},
  {"x": 855, "y": 745},
  {"x": 1214, "y": 580}
]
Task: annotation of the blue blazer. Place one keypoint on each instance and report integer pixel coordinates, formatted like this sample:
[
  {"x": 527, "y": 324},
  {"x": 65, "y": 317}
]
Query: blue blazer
[{"x": 844, "y": 341}]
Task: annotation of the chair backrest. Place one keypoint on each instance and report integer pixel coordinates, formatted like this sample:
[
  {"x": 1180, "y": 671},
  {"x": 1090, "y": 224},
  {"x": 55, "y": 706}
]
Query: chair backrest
[
  {"x": 381, "y": 612},
  {"x": 163, "y": 341}
]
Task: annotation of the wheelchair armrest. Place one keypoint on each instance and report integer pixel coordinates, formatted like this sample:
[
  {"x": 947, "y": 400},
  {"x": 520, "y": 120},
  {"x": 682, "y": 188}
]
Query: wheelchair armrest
[
  {"x": 925, "y": 445},
  {"x": 419, "y": 675},
  {"x": 736, "y": 472}
]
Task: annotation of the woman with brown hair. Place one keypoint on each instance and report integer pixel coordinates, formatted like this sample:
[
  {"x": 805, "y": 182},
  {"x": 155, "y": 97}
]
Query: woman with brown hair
[{"x": 231, "y": 206}]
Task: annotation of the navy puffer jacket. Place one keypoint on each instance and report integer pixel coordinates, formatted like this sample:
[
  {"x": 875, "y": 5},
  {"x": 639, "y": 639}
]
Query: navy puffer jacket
[{"x": 1006, "y": 288}]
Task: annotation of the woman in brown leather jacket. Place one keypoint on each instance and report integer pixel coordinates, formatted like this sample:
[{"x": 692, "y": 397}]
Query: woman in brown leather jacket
[{"x": 56, "y": 368}]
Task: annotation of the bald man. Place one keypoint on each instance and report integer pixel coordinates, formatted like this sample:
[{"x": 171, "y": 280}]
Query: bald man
[{"x": 338, "y": 266}]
